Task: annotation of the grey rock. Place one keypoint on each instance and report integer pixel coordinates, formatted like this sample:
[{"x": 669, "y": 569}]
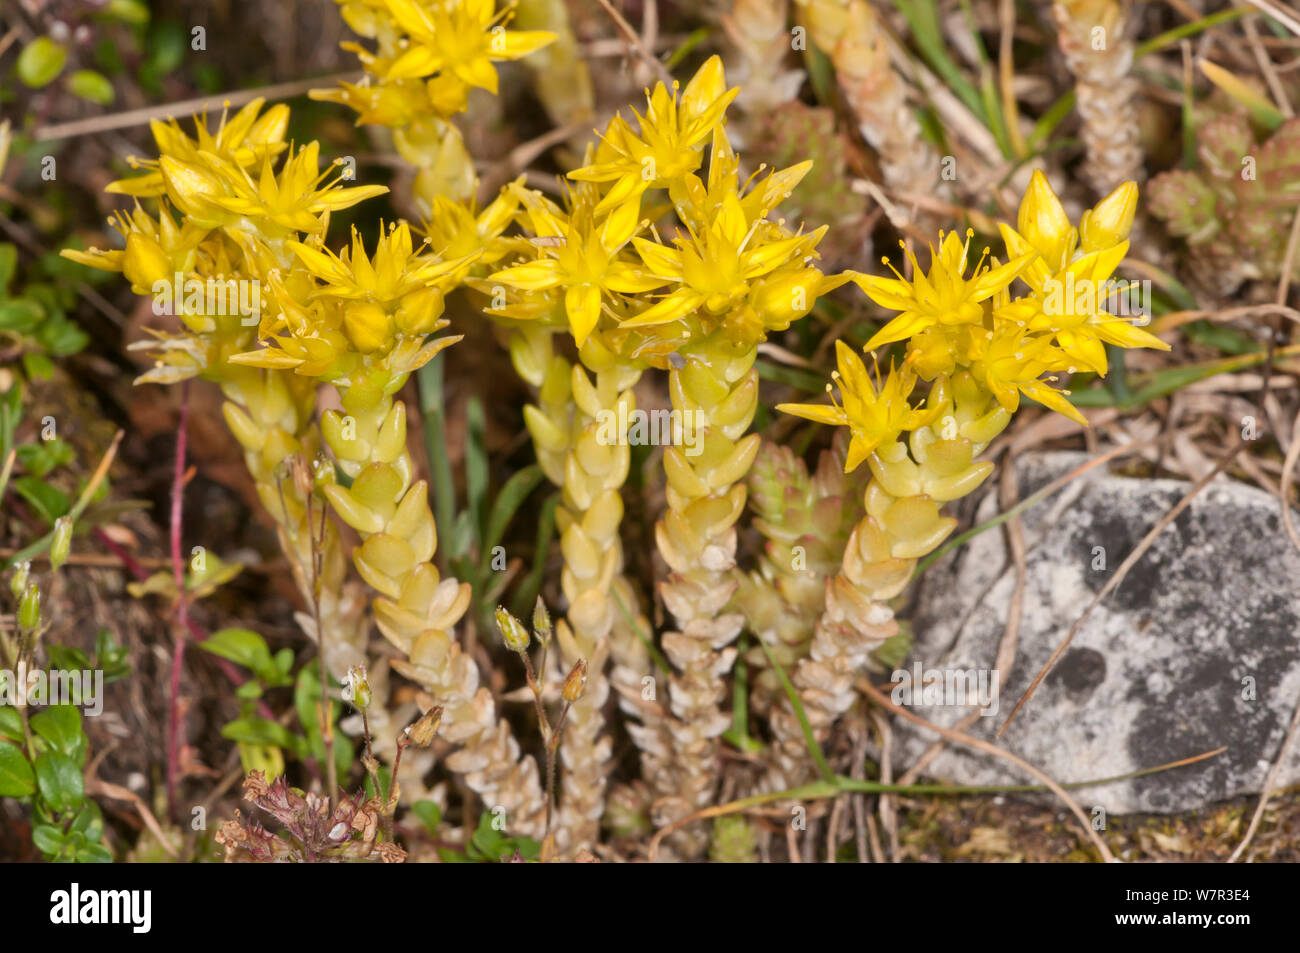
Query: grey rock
[{"x": 1161, "y": 670}]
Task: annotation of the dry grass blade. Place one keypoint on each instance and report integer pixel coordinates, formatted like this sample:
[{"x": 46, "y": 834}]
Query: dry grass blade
[{"x": 980, "y": 744}]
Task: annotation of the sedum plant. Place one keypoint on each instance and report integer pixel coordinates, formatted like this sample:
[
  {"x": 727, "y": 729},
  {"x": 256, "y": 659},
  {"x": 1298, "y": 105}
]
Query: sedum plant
[
  {"x": 1235, "y": 211},
  {"x": 981, "y": 349},
  {"x": 657, "y": 256}
]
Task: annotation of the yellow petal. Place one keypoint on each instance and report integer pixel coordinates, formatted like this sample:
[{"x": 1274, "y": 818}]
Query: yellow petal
[
  {"x": 821, "y": 413},
  {"x": 582, "y": 303},
  {"x": 1042, "y": 220}
]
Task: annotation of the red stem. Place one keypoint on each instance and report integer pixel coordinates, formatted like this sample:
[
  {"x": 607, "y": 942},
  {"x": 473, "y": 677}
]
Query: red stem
[
  {"x": 196, "y": 631},
  {"x": 182, "y": 604}
]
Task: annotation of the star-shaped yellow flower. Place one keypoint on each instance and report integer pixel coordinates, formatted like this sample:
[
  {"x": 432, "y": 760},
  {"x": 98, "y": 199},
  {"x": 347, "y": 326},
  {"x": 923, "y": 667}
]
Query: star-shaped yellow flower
[
  {"x": 583, "y": 256},
  {"x": 944, "y": 296},
  {"x": 462, "y": 39},
  {"x": 669, "y": 141},
  {"x": 873, "y": 415}
]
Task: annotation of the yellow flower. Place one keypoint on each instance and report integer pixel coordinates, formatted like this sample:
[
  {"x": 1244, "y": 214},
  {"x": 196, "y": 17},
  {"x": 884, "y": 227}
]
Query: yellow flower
[
  {"x": 295, "y": 198},
  {"x": 1072, "y": 281},
  {"x": 460, "y": 230},
  {"x": 715, "y": 265},
  {"x": 945, "y": 296},
  {"x": 1010, "y": 363},
  {"x": 1044, "y": 230},
  {"x": 393, "y": 103},
  {"x": 581, "y": 256},
  {"x": 392, "y": 273},
  {"x": 669, "y": 141},
  {"x": 244, "y": 140},
  {"x": 155, "y": 248},
  {"x": 873, "y": 416},
  {"x": 462, "y": 39}
]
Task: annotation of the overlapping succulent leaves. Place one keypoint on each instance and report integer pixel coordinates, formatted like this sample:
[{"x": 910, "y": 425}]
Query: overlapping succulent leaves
[{"x": 1235, "y": 210}]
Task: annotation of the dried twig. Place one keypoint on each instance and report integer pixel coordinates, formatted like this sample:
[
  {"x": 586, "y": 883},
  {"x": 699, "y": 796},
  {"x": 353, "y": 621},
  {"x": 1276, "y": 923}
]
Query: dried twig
[{"x": 980, "y": 744}]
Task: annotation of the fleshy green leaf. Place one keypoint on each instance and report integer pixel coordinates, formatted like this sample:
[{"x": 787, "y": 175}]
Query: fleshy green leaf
[
  {"x": 60, "y": 781},
  {"x": 41, "y": 61},
  {"x": 91, "y": 86},
  {"x": 16, "y": 778},
  {"x": 60, "y": 725}
]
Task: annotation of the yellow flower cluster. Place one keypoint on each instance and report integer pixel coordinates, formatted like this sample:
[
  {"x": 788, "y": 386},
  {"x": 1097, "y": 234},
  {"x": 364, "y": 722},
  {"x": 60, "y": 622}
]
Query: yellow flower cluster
[
  {"x": 722, "y": 264},
  {"x": 429, "y": 55},
  {"x": 963, "y": 321},
  {"x": 982, "y": 350}
]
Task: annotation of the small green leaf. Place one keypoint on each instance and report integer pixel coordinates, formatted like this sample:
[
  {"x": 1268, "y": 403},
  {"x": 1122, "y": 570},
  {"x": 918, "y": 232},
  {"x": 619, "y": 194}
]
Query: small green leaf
[
  {"x": 49, "y": 840},
  {"x": 38, "y": 366},
  {"x": 60, "y": 781},
  {"x": 476, "y": 464},
  {"x": 11, "y": 723},
  {"x": 254, "y": 730},
  {"x": 8, "y": 263},
  {"x": 50, "y": 502},
  {"x": 430, "y": 815},
  {"x": 41, "y": 61},
  {"x": 91, "y": 86},
  {"x": 89, "y": 822},
  {"x": 134, "y": 12},
  {"x": 39, "y": 459},
  {"x": 20, "y": 315},
  {"x": 94, "y": 854},
  {"x": 16, "y": 779},
  {"x": 245, "y": 647},
  {"x": 306, "y": 692},
  {"x": 507, "y": 503},
  {"x": 60, "y": 725}
]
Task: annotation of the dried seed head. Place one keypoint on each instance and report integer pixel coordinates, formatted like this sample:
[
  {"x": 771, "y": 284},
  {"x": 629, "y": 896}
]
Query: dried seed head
[
  {"x": 541, "y": 622},
  {"x": 356, "y": 687},
  {"x": 425, "y": 729},
  {"x": 512, "y": 631},
  {"x": 575, "y": 683}
]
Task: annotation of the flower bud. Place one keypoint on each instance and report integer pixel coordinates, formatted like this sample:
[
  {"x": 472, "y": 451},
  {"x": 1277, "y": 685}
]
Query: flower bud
[
  {"x": 1108, "y": 224},
  {"x": 786, "y": 296},
  {"x": 356, "y": 687},
  {"x": 541, "y": 622},
  {"x": 61, "y": 545},
  {"x": 189, "y": 185},
  {"x": 512, "y": 631},
  {"x": 367, "y": 325},
  {"x": 29, "y": 608},
  {"x": 419, "y": 311},
  {"x": 18, "y": 581},
  {"x": 575, "y": 683},
  {"x": 145, "y": 264},
  {"x": 425, "y": 728}
]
